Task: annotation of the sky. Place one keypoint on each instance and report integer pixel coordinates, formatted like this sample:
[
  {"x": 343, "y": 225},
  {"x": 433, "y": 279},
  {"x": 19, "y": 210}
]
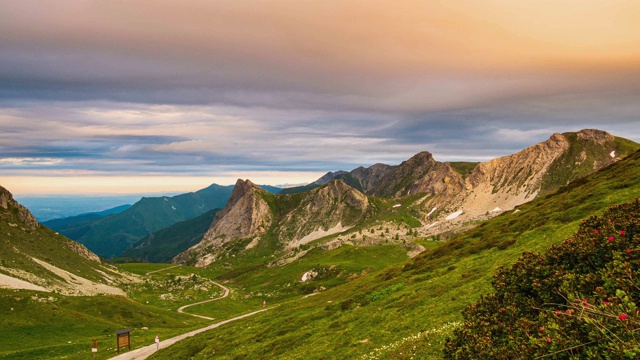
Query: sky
[{"x": 152, "y": 96}]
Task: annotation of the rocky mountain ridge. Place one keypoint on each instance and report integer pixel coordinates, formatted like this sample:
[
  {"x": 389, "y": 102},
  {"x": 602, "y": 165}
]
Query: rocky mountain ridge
[
  {"x": 294, "y": 219},
  {"x": 424, "y": 197}
]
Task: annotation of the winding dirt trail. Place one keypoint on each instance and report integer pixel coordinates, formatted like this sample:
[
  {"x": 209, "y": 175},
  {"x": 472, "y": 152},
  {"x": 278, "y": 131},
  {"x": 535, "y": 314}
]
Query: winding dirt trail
[
  {"x": 146, "y": 351},
  {"x": 163, "y": 269},
  {"x": 226, "y": 293}
]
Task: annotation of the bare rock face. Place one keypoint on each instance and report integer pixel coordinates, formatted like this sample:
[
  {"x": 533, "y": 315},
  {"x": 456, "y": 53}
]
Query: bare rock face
[
  {"x": 246, "y": 215},
  {"x": 506, "y": 182},
  {"x": 522, "y": 171},
  {"x": 370, "y": 177},
  {"x": 442, "y": 180},
  {"x": 398, "y": 181},
  {"x": 324, "y": 211},
  {"x": 331, "y": 208},
  {"x": 7, "y": 201},
  {"x": 595, "y": 136}
]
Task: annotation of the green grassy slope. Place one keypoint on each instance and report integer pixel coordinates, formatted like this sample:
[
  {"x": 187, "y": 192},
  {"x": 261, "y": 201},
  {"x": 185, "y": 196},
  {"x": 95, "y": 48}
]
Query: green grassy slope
[
  {"x": 19, "y": 243},
  {"x": 380, "y": 311},
  {"x": 164, "y": 244}
]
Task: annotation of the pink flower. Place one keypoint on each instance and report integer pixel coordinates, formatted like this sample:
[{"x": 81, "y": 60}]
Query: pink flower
[
  {"x": 541, "y": 328},
  {"x": 623, "y": 317},
  {"x": 558, "y": 312},
  {"x": 628, "y": 250},
  {"x": 623, "y": 233},
  {"x": 548, "y": 339},
  {"x": 568, "y": 311},
  {"x": 606, "y": 303},
  {"x": 611, "y": 238},
  {"x": 504, "y": 309},
  {"x": 595, "y": 231}
]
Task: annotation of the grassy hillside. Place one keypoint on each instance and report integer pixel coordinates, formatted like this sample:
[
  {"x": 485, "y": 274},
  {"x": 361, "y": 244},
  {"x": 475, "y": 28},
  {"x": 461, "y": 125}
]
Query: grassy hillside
[
  {"x": 164, "y": 244},
  {"x": 403, "y": 311},
  {"x": 19, "y": 243}
]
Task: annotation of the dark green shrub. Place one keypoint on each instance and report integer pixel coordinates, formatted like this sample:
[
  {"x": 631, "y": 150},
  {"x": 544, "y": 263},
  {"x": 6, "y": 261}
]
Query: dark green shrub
[{"x": 578, "y": 300}]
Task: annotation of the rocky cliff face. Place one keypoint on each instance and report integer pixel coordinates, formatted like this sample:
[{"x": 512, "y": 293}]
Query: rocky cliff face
[
  {"x": 370, "y": 177},
  {"x": 323, "y": 211},
  {"x": 24, "y": 215},
  {"x": 503, "y": 183},
  {"x": 246, "y": 215},
  {"x": 398, "y": 180}
]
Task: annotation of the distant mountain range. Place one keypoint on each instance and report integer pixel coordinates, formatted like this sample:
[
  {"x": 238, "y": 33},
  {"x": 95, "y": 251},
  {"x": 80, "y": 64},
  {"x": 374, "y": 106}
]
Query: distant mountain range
[
  {"x": 110, "y": 235},
  {"x": 72, "y": 224},
  {"x": 424, "y": 196},
  {"x": 110, "y": 232},
  {"x": 51, "y": 207}
]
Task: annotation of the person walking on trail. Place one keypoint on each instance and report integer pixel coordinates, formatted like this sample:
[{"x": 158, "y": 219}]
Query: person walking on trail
[
  {"x": 157, "y": 342},
  {"x": 264, "y": 304}
]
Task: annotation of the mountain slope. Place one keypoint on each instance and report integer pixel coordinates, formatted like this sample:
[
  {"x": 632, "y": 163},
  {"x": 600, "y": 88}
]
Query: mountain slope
[
  {"x": 32, "y": 254},
  {"x": 163, "y": 245},
  {"x": 503, "y": 183},
  {"x": 111, "y": 235},
  {"x": 74, "y": 226}
]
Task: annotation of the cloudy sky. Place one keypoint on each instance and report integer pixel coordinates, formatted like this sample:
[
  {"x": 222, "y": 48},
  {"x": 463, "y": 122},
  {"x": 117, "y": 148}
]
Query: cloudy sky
[{"x": 131, "y": 96}]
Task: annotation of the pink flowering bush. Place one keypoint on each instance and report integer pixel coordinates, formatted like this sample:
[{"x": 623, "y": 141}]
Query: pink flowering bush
[{"x": 579, "y": 299}]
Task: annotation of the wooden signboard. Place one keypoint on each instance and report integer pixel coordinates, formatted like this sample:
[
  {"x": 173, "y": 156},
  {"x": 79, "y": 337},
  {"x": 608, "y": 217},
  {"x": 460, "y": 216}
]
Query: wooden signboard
[{"x": 124, "y": 340}]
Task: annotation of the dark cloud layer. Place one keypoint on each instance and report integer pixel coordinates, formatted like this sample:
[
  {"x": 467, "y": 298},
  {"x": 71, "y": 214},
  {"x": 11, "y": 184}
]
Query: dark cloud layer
[{"x": 201, "y": 88}]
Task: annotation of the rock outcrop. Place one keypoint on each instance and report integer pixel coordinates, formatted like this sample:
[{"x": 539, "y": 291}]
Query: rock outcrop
[
  {"x": 25, "y": 216},
  {"x": 323, "y": 211},
  {"x": 294, "y": 219},
  {"x": 246, "y": 215}
]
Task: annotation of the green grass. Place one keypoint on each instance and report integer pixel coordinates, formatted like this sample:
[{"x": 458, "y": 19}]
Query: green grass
[{"x": 36, "y": 325}]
